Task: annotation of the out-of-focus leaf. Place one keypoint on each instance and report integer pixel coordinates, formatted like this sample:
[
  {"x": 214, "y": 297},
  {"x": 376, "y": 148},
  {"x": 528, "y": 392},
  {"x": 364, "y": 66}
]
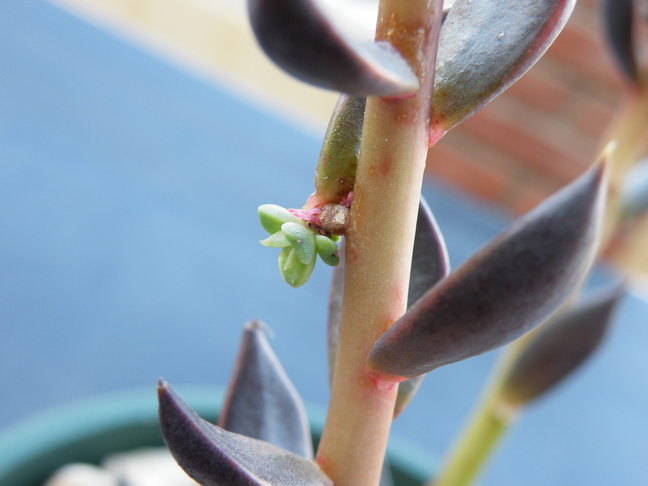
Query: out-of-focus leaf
[
  {"x": 386, "y": 478},
  {"x": 406, "y": 391},
  {"x": 302, "y": 40},
  {"x": 509, "y": 287},
  {"x": 485, "y": 46},
  {"x": 618, "y": 19},
  {"x": 335, "y": 310},
  {"x": 261, "y": 401},
  {"x": 634, "y": 191},
  {"x": 429, "y": 265},
  {"x": 558, "y": 347},
  {"x": 336, "y": 168},
  {"x": 215, "y": 457}
]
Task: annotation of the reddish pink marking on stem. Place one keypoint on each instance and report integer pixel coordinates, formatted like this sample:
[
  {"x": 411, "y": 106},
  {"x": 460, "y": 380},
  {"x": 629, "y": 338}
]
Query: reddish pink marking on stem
[
  {"x": 319, "y": 459},
  {"x": 405, "y": 96},
  {"x": 436, "y": 134},
  {"x": 384, "y": 382},
  {"x": 346, "y": 201}
]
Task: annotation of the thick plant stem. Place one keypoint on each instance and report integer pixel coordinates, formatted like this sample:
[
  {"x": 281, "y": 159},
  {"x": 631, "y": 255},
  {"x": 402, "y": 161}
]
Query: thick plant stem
[
  {"x": 379, "y": 243},
  {"x": 475, "y": 444}
]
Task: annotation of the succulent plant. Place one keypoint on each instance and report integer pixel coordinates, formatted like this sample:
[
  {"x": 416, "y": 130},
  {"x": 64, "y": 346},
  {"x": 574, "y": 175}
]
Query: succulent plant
[{"x": 396, "y": 312}]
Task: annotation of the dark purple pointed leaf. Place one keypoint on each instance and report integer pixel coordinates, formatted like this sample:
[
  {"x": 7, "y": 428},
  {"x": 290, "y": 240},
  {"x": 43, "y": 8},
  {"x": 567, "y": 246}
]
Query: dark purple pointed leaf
[
  {"x": 485, "y": 46},
  {"x": 335, "y": 310},
  {"x": 558, "y": 347},
  {"x": 502, "y": 292},
  {"x": 261, "y": 402},
  {"x": 215, "y": 457},
  {"x": 618, "y": 19},
  {"x": 429, "y": 258},
  {"x": 429, "y": 265},
  {"x": 406, "y": 391},
  {"x": 302, "y": 40}
]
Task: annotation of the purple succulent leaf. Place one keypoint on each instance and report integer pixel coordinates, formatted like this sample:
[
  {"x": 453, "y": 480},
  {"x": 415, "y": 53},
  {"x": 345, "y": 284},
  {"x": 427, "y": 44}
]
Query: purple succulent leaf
[
  {"x": 430, "y": 261},
  {"x": 560, "y": 346},
  {"x": 618, "y": 21},
  {"x": 303, "y": 41},
  {"x": 406, "y": 391},
  {"x": 429, "y": 265},
  {"x": 502, "y": 292},
  {"x": 261, "y": 401},
  {"x": 215, "y": 457},
  {"x": 487, "y": 45},
  {"x": 335, "y": 310}
]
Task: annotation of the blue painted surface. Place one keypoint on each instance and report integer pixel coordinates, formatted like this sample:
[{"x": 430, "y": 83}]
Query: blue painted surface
[{"x": 129, "y": 250}]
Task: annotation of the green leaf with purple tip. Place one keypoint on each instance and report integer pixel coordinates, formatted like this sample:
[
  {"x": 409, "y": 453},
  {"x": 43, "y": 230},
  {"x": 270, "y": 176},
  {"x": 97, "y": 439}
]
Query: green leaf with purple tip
[
  {"x": 215, "y": 457},
  {"x": 484, "y": 47},
  {"x": 618, "y": 21},
  {"x": 559, "y": 347},
  {"x": 338, "y": 161},
  {"x": 300, "y": 38},
  {"x": 261, "y": 401},
  {"x": 513, "y": 284}
]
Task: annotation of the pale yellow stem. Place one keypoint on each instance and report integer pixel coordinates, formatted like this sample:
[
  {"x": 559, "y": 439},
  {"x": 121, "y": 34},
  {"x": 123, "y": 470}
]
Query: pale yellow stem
[
  {"x": 628, "y": 131},
  {"x": 475, "y": 444},
  {"x": 379, "y": 244}
]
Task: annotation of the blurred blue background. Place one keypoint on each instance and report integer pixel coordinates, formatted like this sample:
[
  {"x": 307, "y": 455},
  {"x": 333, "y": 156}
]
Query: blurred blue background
[{"x": 129, "y": 251}]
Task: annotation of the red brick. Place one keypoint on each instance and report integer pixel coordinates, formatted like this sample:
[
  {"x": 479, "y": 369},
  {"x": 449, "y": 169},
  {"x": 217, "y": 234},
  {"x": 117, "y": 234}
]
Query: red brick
[
  {"x": 528, "y": 192},
  {"x": 540, "y": 90},
  {"x": 584, "y": 51},
  {"x": 595, "y": 117},
  {"x": 459, "y": 167},
  {"x": 531, "y": 149}
]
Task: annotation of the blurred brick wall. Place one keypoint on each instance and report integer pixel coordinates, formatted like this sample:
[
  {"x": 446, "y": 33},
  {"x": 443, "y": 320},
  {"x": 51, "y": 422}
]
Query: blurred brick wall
[{"x": 544, "y": 130}]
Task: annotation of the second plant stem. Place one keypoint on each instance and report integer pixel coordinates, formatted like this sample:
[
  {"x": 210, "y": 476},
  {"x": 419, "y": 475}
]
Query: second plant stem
[
  {"x": 379, "y": 244},
  {"x": 492, "y": 417}
]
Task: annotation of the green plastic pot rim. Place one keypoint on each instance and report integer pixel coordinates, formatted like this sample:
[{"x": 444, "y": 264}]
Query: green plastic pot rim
[{"x": 48, "y": 432}]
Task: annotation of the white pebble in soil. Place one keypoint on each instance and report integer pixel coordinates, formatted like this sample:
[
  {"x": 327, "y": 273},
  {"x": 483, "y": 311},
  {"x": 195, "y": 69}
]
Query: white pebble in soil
[
  {"x": 147, "y": 467},
  {"x": 82, "y": 475}
]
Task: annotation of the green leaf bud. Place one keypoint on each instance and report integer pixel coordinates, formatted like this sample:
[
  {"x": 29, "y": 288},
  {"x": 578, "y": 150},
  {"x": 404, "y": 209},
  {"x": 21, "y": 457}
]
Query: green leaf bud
[
  {"x": 276, "y": 240},
  {"x": 272, "y": 217},
  {"x": 327, "y": 250},
  {"x": 293, "y": 271},
  {"x": 338, "y": 161},
  {"x": 302, "y": 240}
]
